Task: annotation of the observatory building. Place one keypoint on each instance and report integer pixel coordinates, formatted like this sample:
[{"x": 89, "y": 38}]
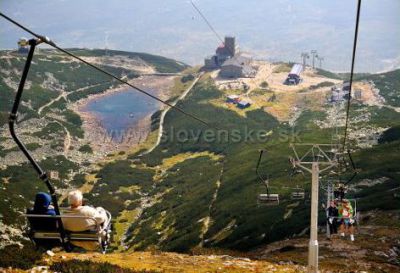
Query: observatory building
[
  {"x": 222, "y": 53},
  {"x": 232, "y": 63}
]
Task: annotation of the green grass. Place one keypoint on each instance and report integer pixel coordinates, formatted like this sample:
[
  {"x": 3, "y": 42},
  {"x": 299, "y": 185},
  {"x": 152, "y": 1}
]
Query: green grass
[
  {"x": 24, "y": 184},
  {"x": 390, "y": 135},
  {"x": 320, "y": 85},
  {"x": 112, "y": 177},
  {"x": 329, "y": 74},
  {"x": 185, "y": 204},
  {"x": 237, "y": 195},
  {"x": 388, "y": 84}
]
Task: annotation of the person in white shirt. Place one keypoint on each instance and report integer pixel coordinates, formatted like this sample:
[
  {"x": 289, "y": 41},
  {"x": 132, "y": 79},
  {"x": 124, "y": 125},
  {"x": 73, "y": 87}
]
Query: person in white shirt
[{"x": 97, "y": 217}]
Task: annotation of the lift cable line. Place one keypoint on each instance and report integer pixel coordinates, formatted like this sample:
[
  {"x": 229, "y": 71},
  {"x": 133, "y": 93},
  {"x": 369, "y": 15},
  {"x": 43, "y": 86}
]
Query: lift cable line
[
  {"x": 207, "y": 22},
  {"x": 352, "y": 73},
  {"x": 46, "y": 40}
]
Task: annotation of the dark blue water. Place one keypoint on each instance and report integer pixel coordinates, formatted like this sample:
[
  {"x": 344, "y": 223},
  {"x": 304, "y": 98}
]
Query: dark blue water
[{"x": 121, "y": 111}]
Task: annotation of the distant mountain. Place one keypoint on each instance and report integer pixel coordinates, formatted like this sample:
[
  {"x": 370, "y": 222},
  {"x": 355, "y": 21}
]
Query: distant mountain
[{"x": 276, "y": 30}]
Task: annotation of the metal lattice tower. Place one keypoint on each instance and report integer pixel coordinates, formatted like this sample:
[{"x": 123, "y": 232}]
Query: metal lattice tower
[
  {"x": 320, "y": 59},
  {"x": 314, "y": 54},
  {"x": 304, "y": 57}
]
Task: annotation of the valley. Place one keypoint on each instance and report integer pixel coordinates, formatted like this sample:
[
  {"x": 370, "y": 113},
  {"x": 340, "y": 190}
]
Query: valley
[{"x": 179, "y": 191}]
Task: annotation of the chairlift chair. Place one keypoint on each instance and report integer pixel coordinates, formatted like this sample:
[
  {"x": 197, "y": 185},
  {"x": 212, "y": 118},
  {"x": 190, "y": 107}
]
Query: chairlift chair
[
  {"x": 58, "y": 234},
  {"x": 356, "y": 213},
  {"x": 298, "y": 193},
  {"x": 269, "y": 199},
  {"x": 100, "y": 234}
]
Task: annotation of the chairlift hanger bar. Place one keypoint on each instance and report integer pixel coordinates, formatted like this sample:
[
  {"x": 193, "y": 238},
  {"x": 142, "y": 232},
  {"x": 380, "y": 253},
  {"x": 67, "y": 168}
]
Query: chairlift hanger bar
[
  {"x": 11, "y": 124},
  {"x": 46, "y": 40},
  {"x": 258, "y": 173},
  {"x": 354, "y": 168}
]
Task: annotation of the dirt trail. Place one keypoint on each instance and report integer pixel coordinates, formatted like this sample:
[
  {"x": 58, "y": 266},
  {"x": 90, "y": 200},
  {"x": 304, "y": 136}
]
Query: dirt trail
[
  {"x": 62, "y": 95},
  {"x": 207, "y": 219},
  {"x": 67, "y": 138},
  {"x": 165, "y": 111}
]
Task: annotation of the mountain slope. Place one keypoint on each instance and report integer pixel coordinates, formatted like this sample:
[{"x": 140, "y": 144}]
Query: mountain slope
[
  {"x": 48, "y": 125},
  {"x": 190, "y": 205}
]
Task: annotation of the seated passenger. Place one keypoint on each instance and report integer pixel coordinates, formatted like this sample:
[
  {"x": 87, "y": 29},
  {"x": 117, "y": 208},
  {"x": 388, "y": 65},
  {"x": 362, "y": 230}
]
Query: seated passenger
[
  {"x": 346, "y": 214},
  {"x": 75, "y": 200},
  {"x": 95, "y": 216},
  {"x": 42, "y": 206}
]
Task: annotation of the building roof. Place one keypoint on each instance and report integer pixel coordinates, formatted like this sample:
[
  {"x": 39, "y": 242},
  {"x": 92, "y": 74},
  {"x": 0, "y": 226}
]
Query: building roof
[
  {"x": 296, "y": 69},
  {"x": 233, "y": 97},
  {"x": 237, "y": 60},
  {"x": 244, "y": 102}
]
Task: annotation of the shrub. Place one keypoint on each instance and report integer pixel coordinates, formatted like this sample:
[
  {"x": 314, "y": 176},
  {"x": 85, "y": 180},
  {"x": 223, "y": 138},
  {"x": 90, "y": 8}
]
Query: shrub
[
  {"x": 187, "y": 78},
  {"x": 16, "y": 257},
  {"x": 77, "y": 266},
  {"x": 264, "y": 84},
  {"x": 86, "y": 149}
]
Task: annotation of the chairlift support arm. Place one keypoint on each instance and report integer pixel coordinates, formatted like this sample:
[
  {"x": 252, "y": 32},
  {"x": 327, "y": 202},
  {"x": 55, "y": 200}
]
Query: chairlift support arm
[
  {"x": 11, "y": 124},
  {"x": 264, "y": 181}
]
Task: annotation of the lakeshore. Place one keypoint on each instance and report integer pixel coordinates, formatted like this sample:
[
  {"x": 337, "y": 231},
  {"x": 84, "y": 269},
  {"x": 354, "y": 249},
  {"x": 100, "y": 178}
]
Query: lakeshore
[{"x": 105, "y": 139}]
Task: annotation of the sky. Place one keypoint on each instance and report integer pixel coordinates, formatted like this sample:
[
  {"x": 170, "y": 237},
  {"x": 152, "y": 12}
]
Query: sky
[{"x": 277, "y": 30}]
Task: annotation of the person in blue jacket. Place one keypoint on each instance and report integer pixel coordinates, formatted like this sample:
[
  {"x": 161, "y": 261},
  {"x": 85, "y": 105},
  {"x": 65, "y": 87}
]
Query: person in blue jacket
[{"x": 42, "y": 206}]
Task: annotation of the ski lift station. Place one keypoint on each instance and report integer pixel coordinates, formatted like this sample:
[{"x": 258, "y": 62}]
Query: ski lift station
[{"x": 294, "y": 75}]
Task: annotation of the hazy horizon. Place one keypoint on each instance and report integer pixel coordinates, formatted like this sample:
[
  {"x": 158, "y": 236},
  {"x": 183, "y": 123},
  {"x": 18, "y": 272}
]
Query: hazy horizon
[{"x": 273, "y": 30}]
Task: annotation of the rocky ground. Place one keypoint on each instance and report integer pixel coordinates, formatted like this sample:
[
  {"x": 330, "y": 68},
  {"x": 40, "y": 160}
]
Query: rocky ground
[{"x": 375, "y": 249}]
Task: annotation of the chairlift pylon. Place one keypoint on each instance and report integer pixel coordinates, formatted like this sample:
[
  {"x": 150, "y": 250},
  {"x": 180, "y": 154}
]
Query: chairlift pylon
[{"x": 265, "y": 198}]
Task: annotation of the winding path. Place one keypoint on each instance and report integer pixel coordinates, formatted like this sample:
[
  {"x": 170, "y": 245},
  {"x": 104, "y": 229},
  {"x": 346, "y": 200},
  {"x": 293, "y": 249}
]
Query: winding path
[
  {"x": 67, "y": 139},
  {"x": 165, "y": 111},
  {"x": 65, "y": 94},
  {"x": 62, "y": 95}
]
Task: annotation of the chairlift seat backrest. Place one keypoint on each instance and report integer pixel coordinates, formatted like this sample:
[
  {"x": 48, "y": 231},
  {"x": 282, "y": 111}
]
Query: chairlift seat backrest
[
  {"x": 45, "y": 224},
  {"x": 264, "y": 197},
  {"x": 298, "y": 195}
]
